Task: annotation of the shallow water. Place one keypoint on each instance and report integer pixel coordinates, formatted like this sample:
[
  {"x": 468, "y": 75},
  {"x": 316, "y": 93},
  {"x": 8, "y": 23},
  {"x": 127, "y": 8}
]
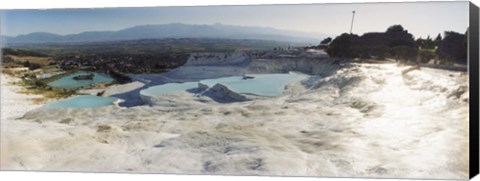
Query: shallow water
[
  {"x": 169, "y": 88},
  {"x": 261, "y": 84},
  {"x": 86, "y": 101},
  {"x": 69, "y": 83}
]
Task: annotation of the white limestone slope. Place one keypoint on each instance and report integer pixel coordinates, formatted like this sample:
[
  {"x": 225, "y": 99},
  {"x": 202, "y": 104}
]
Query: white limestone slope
[
  {"x": 13, "y": 106},
  {"x": 114, "y": 89},
  {"x": 365, "y": 120}
]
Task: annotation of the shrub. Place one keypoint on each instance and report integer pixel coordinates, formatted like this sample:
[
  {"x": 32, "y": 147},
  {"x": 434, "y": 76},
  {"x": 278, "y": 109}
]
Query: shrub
[
  {"x": 7, "y": 59},
  {"x": 34, "y": 66},
  {"x": 39, "y": 83},
  {"x": 405, "y": 53},
  {"x": 426, "y": 55}
]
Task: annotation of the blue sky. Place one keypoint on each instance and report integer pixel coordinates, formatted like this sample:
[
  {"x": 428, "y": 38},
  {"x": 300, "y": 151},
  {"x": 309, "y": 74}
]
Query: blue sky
[{"x": 421, "y": 19}]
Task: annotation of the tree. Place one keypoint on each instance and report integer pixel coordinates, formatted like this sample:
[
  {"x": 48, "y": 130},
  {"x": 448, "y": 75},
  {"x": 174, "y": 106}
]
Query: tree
[
  {"x": 326, "y": 41},
  {"x": 34, "y": 66},
  {"x": 452, "y": 49},
  {"x": 341, "y": 46},
  {"x": 377, "y": 44},
  {"x": 26, "y": 63},
  {"x": 426, "y": 55},
  {"x": 426, "y": 43},
  {"x": 395, "y": 29},
  {"x": 31, "y": 66},
  {"x": 405, "y": 53},
  {"x": 381, "y": 52},
  {"x": 438, "y": 39}
]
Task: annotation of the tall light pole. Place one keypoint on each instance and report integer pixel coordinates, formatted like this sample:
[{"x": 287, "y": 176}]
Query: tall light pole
[{"x": 353, "y": 18}]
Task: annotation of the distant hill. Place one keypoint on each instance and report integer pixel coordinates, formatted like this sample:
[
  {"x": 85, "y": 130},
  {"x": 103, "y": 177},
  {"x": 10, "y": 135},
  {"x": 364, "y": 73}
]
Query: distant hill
[{"x": 174, "y": 30}]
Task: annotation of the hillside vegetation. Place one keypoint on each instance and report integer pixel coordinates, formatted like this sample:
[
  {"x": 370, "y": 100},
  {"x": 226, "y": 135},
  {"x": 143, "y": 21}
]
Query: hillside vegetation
[{"x": 397, "y": 43}]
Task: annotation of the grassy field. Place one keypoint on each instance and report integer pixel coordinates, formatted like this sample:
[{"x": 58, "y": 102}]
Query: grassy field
[
  {"x": 44, "y": 61},
  {"x": 11, "y": 65}
]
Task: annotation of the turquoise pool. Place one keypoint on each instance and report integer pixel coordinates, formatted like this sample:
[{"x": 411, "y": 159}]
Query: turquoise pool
[
  {"x": 84, "y": 101},
  {"x": 169, "y": 88},
  {"x": 260, "y": 84},
  {"x": 70, "y": 83}
]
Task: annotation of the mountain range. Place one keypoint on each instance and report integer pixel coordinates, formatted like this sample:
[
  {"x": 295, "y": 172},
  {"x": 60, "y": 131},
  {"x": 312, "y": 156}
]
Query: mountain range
[{"x": 173, "y": 30}]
